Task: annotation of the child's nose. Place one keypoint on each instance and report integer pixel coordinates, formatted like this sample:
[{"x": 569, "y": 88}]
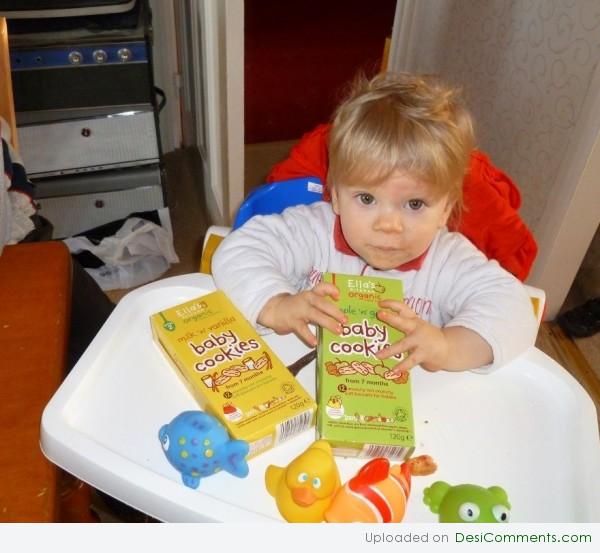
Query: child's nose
[{"x": 389, "y": 222}]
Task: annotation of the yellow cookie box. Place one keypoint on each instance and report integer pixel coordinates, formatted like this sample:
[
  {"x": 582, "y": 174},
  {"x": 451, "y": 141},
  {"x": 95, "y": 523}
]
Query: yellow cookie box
[{"x": 232, "y": 372}]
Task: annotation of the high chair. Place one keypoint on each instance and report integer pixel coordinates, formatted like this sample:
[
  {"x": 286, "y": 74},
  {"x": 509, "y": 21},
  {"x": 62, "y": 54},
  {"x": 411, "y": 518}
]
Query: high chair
[
  {"x": 277, "y": 196},
  {"x": 521, "y": 427},
  {"x": 477, "y": 428}
]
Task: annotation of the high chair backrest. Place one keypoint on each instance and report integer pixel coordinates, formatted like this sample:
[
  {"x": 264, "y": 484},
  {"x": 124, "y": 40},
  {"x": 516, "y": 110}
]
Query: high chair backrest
[
  {"x": 276, "y": 196},
  {"x": 263, "y": 200}
]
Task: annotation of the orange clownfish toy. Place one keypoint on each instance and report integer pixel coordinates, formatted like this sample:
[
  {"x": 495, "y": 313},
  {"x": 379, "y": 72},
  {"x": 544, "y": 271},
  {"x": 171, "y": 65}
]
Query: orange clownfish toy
[{"x": 379, "y": 492}]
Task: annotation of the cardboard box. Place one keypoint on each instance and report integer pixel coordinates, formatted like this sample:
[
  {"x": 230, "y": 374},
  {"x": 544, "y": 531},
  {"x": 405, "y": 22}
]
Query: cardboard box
[
  {"x": 363, "y": 411},
  {"x": 232, "y": 372}
]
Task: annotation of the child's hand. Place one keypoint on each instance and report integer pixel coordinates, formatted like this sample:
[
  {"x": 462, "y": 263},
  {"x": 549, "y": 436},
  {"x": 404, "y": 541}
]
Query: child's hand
[
  {"x": 452, "y": 348},
  {"x": 425, "y": 344},
  {"x": 287, "y": 313}
]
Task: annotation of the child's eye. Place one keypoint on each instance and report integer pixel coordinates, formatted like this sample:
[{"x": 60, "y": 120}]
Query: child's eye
[
  {"x": 415, "y": 205},
  {"x": 366, "y": 199}
]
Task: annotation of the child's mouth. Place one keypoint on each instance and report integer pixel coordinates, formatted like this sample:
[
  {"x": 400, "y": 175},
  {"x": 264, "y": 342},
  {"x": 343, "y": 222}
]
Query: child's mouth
[{"x": 386, "y": 249}]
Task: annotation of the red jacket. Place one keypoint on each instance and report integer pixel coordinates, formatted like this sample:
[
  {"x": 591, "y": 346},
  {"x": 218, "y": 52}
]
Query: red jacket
[{"x": 491, "y": 200}]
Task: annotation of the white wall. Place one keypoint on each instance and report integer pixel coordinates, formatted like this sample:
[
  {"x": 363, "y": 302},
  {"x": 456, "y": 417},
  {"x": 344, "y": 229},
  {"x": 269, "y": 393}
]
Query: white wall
[
  {"x": 531, "y": 76},
  {"x": 213, "y": 79},
  {"x": 234, "y": 76},
  {"x": 166, "y": 72}
]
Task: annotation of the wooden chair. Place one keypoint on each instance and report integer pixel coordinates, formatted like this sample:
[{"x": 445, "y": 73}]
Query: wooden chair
[
  {"x": 35, "y": 300},
  {"x": 35, "y": 295}
]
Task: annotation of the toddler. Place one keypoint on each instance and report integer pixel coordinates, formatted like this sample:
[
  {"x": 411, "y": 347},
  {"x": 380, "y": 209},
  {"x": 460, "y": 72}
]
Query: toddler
[{"x": 398, "y": 151}]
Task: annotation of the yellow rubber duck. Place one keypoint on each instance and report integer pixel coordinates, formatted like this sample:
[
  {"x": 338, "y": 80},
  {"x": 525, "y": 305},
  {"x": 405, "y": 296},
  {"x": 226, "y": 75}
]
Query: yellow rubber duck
[{"x": 304, "y": 489}]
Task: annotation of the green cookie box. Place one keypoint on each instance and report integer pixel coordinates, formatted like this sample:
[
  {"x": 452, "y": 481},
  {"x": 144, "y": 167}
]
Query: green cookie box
[{"x": 362, "y": 410}]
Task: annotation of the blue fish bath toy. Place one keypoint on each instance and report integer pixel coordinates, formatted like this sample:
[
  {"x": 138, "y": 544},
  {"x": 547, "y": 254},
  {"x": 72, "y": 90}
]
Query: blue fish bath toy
[{"x": 198, "y": 445}]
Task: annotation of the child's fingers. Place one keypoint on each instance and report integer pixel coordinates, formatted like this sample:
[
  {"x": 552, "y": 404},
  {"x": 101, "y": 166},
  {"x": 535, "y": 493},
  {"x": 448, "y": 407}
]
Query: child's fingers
[
  {"x": 389, "y": 351},
  {"x": 405, "y": 365},
  {"x": 326, "y": 289},
  {"x": 414, "y": 356},
  {"x": 329, "y": 309},
  {"x": 398, "y": 307},
  {"x": 325, "y": 320},
  {"x": 410, "y": 362},
  {"x": 400, "y": 347},
  {"x": 304, "y": 333},
  {"x": 405, "y": 323}
]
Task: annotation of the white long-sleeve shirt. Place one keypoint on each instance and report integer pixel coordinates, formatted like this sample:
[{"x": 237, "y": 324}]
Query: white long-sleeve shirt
[{"x": 456, "y": 285}]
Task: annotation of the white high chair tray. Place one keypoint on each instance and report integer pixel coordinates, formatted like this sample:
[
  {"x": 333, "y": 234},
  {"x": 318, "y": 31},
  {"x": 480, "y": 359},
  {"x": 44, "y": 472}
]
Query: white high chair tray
[{"x": 528, "y": 427}]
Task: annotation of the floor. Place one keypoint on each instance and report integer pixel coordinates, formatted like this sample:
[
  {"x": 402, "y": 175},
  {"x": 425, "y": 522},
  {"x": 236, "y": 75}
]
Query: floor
[{"x": 190, "y": 222}]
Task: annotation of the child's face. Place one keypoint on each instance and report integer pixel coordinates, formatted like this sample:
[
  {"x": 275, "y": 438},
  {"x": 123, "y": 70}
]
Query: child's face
[{"x": 392, "y": 222}]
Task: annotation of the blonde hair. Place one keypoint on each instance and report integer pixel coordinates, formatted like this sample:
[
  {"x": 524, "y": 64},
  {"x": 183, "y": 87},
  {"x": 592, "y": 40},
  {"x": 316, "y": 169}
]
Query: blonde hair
[{"x": 403, "y": 122}]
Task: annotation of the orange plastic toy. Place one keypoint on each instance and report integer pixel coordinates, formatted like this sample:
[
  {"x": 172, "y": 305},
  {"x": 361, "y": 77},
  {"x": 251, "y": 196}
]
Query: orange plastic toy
[{"x": 379, "y": 492}]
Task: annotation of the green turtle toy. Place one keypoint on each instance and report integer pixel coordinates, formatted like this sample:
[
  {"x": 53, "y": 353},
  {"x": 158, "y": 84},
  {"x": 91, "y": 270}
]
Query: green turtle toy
[{"x": 467, "y": 502}]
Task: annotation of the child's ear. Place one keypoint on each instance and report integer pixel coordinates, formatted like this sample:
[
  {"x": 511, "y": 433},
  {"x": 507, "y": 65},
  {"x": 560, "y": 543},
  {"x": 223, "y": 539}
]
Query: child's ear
[
  {"x": 445, "y": 215},
  {"x": 334, "y": 200}
]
